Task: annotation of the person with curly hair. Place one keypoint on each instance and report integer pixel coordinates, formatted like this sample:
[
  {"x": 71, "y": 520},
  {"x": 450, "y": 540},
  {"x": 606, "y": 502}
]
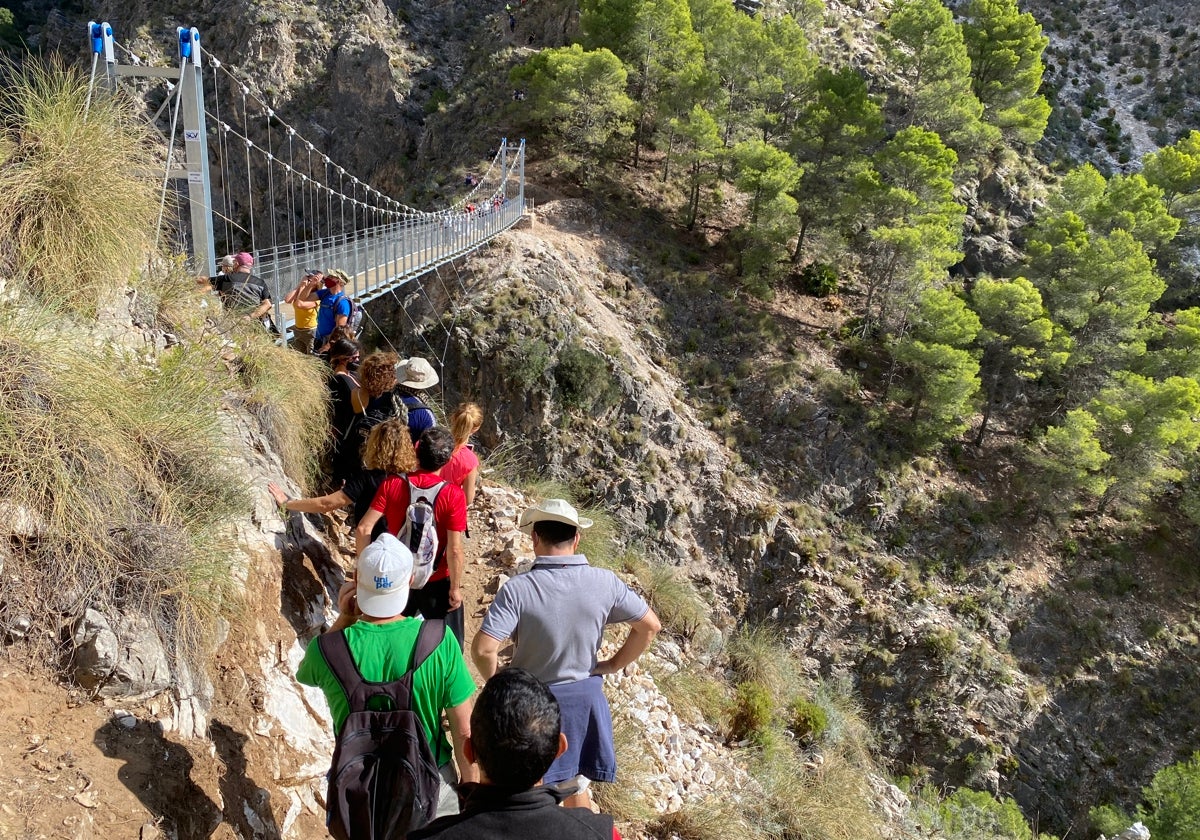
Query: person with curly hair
[{"x": 387, "y": 450}]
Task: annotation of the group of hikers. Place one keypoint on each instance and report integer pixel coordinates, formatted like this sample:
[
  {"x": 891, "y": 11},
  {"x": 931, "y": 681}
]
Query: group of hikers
[
  {"x": 392, "y": 666},
  {"x": 323, "y": 310}
]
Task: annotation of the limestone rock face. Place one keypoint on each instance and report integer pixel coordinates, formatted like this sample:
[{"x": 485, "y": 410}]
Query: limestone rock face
[{"x": 119, "y": 661}]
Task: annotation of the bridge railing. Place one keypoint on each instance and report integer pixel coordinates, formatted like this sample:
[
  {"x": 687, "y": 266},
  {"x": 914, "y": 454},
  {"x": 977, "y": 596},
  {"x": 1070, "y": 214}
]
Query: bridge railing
[{"x": 385, "y": 257}]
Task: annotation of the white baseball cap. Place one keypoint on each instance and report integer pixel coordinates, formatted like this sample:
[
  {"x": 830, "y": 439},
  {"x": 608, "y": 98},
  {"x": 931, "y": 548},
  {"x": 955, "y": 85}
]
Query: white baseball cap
[{"x": 384, "y": 571}]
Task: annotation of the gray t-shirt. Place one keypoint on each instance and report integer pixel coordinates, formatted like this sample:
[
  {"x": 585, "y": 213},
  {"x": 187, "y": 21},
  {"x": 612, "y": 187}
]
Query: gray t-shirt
[{"x": 555, "y": 614}]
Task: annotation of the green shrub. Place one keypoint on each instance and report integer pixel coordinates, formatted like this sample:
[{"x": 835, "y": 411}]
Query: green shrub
[
  {"x": 807, "y": 720},
  {"x": 971, "y": 815},
  {"x": 819, "y": 280},
  {"x": 526, "y": 361},
  {"x": 1172, "y": 801},
  {"x": 753, "y": 711},
  {"x": 674, "y": 599},
  {"x": 584, "y": 379}
]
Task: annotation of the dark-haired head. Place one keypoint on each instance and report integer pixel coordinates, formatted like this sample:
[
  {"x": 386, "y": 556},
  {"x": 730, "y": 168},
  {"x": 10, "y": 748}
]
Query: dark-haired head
[
  {"x": 434, "y": 448},
  {"x": 343, "y": 348},
  {"x": 554, "y": 534},
  {"x": 514, "y": 729}
]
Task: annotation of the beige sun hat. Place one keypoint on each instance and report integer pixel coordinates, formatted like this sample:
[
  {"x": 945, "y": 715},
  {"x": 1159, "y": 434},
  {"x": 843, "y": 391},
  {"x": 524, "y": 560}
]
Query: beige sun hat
[
  {"x": 416, "y": 373},
  {"x": 552, "y": 510}
]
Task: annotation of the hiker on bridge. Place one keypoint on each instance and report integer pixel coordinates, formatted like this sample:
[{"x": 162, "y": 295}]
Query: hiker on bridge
[
  {"x": 304, "y": 331},
  {"x": 556, "y": 614},
  {"x": 242, "y": 292},
  {"x": 333, "y": 307}
]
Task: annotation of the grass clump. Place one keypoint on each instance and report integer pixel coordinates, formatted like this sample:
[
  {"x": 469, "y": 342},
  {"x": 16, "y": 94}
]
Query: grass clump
[
  {"x": 714, "y": 818},
  {"x": 77, "y": 209},
  {"x": 752, "y": 714},
  {"x": 691, "y": 691},
  {"x": 286, "y": 391},
  {"x": 973, "y": 815},
  {"x": 674, "y": 599},
  {"x": 119, "y": 468},
  {"x": 758, "y": 654},
  {"x": 623, "y": 799}
]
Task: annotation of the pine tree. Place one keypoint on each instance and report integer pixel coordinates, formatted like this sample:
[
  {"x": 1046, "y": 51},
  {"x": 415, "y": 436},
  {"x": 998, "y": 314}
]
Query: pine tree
[
  {"x": 1017, "y": 341},
  {"x": 579, "y": 95},
  {"x": 914, "y": 225},
  {"x": 925, "y": 47},
  {"x": 701, "y": 150},
  {"x": 1005, "y": 47},
  {"x": 766, "y": 174},
  {"x": 831, "y": 141}
]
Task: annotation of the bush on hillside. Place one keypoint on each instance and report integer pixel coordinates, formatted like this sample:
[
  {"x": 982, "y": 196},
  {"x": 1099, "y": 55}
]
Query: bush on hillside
[
  {"x": 77, "y": 209},
  {"x": 1170, "y": 806},
  {"x": 584, "y": 379}
]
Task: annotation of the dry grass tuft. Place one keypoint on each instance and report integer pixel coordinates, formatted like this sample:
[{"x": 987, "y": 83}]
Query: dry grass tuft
[
  {"x": 286, "y": 391},
  {"x": 624, "y": 799},
  {"x": 118, "y": 493},
  {"x": 714, "y": 818},
  {"x": 77, "y": 203}
]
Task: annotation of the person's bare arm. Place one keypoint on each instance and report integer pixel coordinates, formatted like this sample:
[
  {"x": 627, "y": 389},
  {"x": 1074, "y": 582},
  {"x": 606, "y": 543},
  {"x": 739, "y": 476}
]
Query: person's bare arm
[
  {"x": 317, "y": 504},
  {"x": 454, "y": 563},
  {"x": 485, "y": 653},
  {"x": 263, "y": 309},
  {"x": 469, "y": 485},
  {"x": 362, "y": 531},
  {"x": 641, "y": 634},
  {"x": 459, "y": 718}
]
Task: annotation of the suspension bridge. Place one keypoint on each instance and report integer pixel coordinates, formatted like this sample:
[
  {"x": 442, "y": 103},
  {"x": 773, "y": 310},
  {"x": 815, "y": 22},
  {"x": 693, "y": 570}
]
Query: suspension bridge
[{"x": 252, "y": 182}]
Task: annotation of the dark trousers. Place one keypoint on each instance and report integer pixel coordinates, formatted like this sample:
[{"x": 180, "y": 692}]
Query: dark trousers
[{"x": 434, "y": 602}]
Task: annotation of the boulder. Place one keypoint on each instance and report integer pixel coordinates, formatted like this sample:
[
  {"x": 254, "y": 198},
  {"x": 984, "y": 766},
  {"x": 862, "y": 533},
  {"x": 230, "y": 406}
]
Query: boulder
[{"x": 119, "y": 662}]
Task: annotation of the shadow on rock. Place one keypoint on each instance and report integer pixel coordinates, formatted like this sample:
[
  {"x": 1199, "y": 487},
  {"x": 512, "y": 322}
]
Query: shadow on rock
[
  {"x": 307, "y": 586},
  {"x": 158, "y": 773},
  {"x": 247, "y": 805}
]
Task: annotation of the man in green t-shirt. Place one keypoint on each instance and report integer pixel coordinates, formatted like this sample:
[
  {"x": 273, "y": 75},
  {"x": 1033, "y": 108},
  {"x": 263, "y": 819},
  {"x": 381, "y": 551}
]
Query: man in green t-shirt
[{"x": 381, "y": 641}]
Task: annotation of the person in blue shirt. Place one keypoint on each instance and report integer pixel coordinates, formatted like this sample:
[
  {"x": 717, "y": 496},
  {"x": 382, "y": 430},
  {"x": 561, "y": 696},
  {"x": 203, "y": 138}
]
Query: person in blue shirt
[{"x": 334, "y": 309}]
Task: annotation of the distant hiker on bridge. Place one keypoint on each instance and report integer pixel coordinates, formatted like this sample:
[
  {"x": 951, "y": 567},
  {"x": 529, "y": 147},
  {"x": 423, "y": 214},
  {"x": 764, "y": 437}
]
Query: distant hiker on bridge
[
  {"x": 412, "y": 377},
  {"x": 304, "y": 331},
  {"x": 556, "y": 614},
  {"x": 397, "y": 499},
  {"x": 242, "y": 292},
  {"x": 373, "y": 641},
  {"x": 515, "y": 736},
  {"x": 334, "y": 307},
  {"x": 463, "y": 467}
]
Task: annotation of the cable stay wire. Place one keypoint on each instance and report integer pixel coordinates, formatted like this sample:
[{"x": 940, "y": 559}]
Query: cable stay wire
[{"x": 162, "y": 205}]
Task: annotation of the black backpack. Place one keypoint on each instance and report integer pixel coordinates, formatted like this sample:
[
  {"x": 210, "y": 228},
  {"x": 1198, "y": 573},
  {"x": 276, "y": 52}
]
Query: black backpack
[{"x": 384, "y": 781}]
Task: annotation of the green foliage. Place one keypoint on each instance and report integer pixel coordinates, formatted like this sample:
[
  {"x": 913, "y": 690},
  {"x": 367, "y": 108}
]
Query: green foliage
[
  {"x": 831, "y": 140},
  {"x": 77, "y": 207},
  {"x": 1176, "y": 171},
  {"x": 972, "y": 815},
  {"x": 807, "y": 720},
  {"x": 1172, "y": 801},
  {"x": 526, "y": 361},
  {"x": 701, "y": 152},
  {"x": 925, "y": 47},
  {"x": 1148, "y": 429},
  {"x": 819, "y": 280},
  {"x": 1016, "y": 339},
  {"x": 766, "y": 174},
  {"x": 1071, "y": 458},
  {"x": 583, "y": 378},
  {"x": 674, "y": 599},
  {"x": 580, "y": 96},
  {"x": 914, "y": 225},
  {"x": 753, "y": 711},
  {"x": 1005, "y": 46}
]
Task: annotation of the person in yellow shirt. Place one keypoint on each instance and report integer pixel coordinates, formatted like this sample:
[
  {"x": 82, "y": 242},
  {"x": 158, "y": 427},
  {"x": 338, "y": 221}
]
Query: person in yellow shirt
[{"x": 305, "y": 328}]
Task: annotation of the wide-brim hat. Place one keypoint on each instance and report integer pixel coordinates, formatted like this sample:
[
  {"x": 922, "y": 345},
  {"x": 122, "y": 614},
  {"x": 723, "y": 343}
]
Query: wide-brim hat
[
  {"x": 552, "y": 510},
  {"x": 416, "y": 373},
  {"x": 384, "y": 571}
]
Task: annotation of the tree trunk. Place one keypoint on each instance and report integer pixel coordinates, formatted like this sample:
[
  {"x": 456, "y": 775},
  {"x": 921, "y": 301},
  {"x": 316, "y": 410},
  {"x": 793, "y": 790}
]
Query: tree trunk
[{"x": 800, "y": 239}]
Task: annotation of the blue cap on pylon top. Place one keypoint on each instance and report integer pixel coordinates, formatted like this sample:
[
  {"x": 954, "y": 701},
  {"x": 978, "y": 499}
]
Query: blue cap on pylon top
[
  {"x": 185, "y": 42},
  {"x": 96, "y": 33}
]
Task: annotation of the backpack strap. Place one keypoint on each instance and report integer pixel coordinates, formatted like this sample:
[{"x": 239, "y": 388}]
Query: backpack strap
[
  {"x": 428, "y": 494},
  {"x": 432, "y": 631},
  {"x": 337, "y": 655}
]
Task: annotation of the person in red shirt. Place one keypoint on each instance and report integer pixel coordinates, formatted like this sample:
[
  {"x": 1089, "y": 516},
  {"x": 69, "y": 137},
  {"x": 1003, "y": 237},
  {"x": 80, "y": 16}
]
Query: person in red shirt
[{"x": 442, "y": 596}]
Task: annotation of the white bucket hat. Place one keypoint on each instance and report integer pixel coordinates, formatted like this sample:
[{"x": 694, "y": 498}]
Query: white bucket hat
[
  {"x": 384, "y": 571},
  {"x": 552, "y": 510},
  {"x": 416, "y": 373}
]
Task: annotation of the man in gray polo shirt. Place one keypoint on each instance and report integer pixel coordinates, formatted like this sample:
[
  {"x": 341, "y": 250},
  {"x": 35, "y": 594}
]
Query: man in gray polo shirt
[{"x": 555, "y": 614}]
